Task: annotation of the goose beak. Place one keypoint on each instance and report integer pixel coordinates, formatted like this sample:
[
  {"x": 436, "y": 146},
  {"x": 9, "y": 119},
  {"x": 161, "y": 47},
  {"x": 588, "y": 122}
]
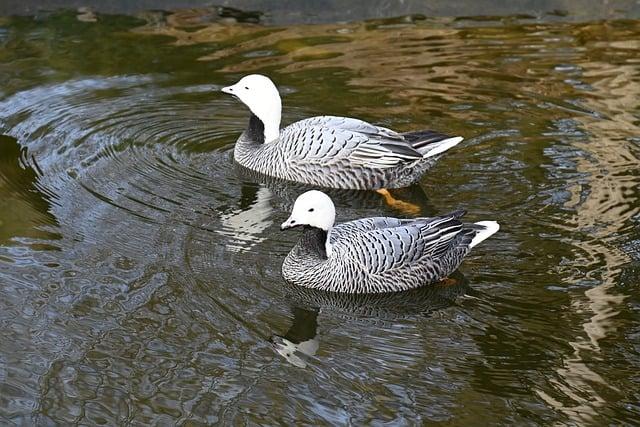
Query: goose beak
[
  {"x": 289, "y": 223},
  {"x": 228, "y": 89}
]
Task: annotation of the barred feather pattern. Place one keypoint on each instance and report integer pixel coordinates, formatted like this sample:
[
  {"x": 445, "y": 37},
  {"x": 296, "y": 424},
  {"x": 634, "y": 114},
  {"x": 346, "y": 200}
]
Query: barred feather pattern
[
  {"x": 339, "y": 152},
  {"x": 380, "y": 254}
]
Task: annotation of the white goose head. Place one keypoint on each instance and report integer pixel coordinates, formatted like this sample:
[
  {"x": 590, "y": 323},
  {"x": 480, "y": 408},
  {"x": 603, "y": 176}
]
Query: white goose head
[
  {"x": 261, "y": 96},
  {"x": 313, "y": 208}
]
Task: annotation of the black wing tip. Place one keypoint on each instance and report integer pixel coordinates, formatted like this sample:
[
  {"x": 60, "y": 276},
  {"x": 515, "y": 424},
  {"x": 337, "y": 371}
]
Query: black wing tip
[
  {"x": 401, "y": 148},
  {"x": 455, "y": 215},
  {"x": 458, "y": 213},
  {"x": 421, "y": 138}
]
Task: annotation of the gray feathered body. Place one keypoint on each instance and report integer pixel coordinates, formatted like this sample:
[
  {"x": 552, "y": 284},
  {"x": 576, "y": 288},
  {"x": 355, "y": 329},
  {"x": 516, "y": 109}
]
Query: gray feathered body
[
  {"x": 339, "y": 152},
  {"x": 380, "y": 254}
]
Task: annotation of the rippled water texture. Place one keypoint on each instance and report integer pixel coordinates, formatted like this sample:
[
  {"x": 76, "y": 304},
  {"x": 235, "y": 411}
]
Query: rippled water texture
[{"x": 140, "y": 270}]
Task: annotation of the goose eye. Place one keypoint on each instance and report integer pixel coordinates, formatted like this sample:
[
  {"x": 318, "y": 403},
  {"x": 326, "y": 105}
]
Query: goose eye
[
  {"x": 311, "y": 210},
  {"x": 246, "y": 87}
]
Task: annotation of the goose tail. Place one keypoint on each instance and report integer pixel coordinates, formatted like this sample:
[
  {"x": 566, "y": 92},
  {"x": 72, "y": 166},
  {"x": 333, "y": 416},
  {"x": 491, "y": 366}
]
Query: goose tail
[
  {"x": 443, "y": 146},
  {"x": 484, "y": 230},
  {"x": 430, "y": 143}
]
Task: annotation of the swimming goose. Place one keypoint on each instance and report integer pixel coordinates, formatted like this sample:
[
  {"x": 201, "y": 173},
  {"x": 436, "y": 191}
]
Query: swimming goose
[
  {"x": 329, "y": 151},
  {"x": 378, "y": 254}
]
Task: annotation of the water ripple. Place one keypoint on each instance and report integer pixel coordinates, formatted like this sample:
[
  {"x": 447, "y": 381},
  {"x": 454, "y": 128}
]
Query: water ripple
[{"x": 140, "y": 268}]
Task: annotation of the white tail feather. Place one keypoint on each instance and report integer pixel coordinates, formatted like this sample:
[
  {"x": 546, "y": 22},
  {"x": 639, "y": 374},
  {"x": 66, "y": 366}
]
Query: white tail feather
[
  {"x": 444, "y": 145},
  {"x": 490, "y": 228}
]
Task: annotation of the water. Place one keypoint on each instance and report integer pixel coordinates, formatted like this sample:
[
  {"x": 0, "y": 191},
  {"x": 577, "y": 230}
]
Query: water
[{"x": 139, "y": 268}]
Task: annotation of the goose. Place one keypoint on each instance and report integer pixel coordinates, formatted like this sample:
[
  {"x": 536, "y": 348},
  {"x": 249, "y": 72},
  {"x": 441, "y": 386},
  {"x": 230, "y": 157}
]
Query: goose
[
  {"x": 373, "y": 255},
  {"x": 329, "y": 151}
]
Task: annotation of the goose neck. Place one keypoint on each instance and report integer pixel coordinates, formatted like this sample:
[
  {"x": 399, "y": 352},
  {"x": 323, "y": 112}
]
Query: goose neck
[{"x": 314, "y": 241}]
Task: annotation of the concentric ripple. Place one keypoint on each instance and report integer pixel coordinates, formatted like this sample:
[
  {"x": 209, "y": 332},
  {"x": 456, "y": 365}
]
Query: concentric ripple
[{"x": 129, "y": 142}]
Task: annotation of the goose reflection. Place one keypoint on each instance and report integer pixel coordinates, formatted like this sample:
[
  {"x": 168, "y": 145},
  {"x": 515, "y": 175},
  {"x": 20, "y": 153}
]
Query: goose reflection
[
  {"x": 409, "y": 201},
  {"x": 261, "y": 196},
  {"x": 250, "y": 219},
  {"x": 301, "y": 341}
]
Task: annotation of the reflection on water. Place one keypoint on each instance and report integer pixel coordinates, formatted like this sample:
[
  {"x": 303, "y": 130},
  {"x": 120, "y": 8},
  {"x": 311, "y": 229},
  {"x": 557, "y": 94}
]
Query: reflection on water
[
  {"x": 140, "y": 267},
  {"x": 301, "y": 340},
  {"x": 24, "y": 212},
  {"x": 604, "y": 205}
]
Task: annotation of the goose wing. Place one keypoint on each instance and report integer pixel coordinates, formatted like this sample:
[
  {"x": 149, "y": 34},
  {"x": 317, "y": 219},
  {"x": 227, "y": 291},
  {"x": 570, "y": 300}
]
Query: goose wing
[
  {"x": 380, "y": 250},
  {"x": 327, "y": 140},
  {"x": 347, "y": 229},
  {"x": 348, "y": 123}
]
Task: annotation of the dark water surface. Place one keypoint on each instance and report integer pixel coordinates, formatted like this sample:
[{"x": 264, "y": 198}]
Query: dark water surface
[{"x": 140, "y": 270}]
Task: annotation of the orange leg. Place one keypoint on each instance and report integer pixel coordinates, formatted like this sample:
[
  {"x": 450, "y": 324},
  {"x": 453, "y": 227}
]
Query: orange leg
[
  {"x": 447, "y": 281},
  {"x": 402, "y": 206}
]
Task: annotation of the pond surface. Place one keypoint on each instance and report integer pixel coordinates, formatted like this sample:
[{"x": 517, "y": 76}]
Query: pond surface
[{"x": 140, "y": 270}]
